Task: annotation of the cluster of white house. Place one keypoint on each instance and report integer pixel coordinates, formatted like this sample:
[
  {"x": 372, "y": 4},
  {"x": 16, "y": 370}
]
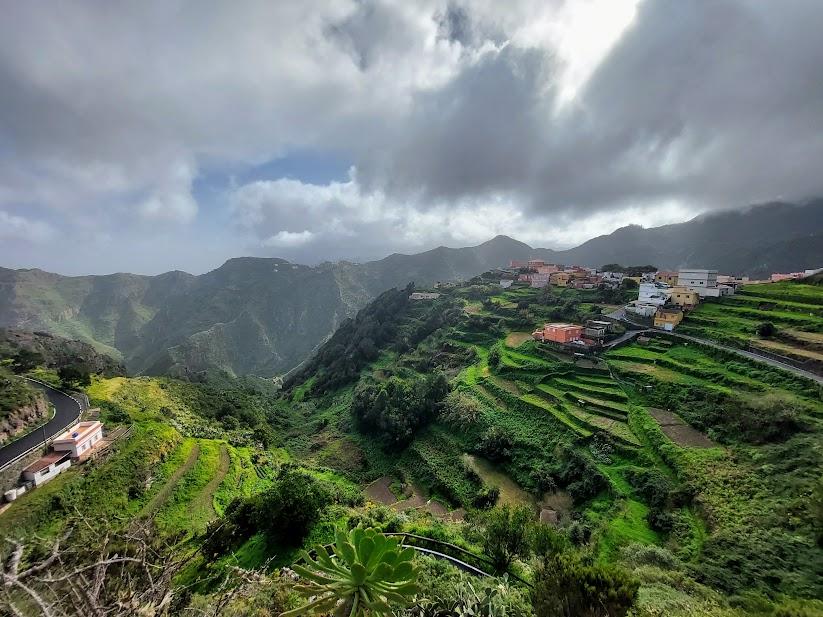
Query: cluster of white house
[
  {"x": 666, "y": 295},
  {"x": 73, "y": 446}
]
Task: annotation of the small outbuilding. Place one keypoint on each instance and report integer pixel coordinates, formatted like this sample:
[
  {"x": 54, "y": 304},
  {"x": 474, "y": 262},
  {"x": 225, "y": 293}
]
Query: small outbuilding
[{"x": 47, "y": 467}]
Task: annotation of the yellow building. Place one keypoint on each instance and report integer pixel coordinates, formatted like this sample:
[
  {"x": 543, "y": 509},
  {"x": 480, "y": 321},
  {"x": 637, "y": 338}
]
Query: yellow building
[
  {"x": 561, "y": 279},
  {"x": 684, "y": 298},
  {"x": 670, "y": 278},
  {"x": 668, "y": 318}
]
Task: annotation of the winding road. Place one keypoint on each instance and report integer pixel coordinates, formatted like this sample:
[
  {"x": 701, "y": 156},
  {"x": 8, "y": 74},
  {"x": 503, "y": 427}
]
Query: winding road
[
  {"x": 66, "y": 412},
  {"x": 621, "y": 315}
]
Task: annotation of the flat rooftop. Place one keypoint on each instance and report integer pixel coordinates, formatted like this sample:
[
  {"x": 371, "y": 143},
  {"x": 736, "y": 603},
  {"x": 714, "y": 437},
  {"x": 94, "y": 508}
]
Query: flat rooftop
[{"x": 79, "y": 432}]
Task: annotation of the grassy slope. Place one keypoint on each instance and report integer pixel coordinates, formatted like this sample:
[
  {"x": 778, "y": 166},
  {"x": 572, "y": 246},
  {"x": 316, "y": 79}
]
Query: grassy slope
[{"x": 544, "y": 402}]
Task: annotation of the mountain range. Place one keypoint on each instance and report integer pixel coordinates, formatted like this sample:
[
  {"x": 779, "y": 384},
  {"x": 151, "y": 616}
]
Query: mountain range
[{"x": 264, "y": 316}]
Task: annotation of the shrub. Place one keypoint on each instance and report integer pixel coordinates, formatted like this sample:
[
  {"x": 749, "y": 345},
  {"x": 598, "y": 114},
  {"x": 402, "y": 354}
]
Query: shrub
[
  {"x": 460, "y": 410},
  {"x": 496, "y": 445},
  {"x": 486, "y": 498},
  {"x": 766, "y": 329},
  {"x": 565, "y": 587},
  {"x": 367, "y": 574},
  {"x": 505, "y": 534}
]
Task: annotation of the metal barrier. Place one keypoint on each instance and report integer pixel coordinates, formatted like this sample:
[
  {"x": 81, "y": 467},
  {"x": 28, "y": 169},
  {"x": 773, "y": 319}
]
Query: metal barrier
[{"x": 440, "y": 554}]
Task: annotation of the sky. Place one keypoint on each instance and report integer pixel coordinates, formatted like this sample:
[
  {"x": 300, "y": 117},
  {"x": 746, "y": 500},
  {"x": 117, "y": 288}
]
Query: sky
[{"x": 159, "y": 135}]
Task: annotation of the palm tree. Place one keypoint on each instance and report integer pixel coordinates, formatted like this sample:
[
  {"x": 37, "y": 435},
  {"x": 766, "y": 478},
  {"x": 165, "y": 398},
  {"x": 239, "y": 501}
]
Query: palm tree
[{"x": 367, "y": 573}]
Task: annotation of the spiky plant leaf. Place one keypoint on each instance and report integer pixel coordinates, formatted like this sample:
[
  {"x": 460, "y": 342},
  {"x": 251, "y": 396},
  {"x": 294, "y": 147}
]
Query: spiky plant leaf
[{"x": 367, "y": 572}]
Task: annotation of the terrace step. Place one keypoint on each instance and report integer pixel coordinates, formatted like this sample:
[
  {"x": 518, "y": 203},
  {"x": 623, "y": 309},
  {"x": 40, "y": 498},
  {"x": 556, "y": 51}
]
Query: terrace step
[
  {"x": 541, "y": 404},
  {"x": 596, "y": 391},
  {"x": 611, "y": 406}
]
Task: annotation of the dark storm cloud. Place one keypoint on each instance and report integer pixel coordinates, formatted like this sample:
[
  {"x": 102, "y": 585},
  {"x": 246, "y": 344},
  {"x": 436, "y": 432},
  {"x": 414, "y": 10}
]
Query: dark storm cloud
[
  {"x": 457, "y": 117},
  {"x": 717, "y": 104}
]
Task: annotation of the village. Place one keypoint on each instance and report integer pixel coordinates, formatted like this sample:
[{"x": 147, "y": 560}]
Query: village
[{"x": 664, "y": 297}]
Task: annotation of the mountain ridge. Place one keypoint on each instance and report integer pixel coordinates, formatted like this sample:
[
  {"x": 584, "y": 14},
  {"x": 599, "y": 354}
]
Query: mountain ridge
[{"x": 265, "y": 315}]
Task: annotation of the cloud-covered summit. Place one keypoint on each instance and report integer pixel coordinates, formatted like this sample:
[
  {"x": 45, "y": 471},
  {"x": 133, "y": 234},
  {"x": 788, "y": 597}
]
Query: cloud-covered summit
[{"x": 150, "y": 134}]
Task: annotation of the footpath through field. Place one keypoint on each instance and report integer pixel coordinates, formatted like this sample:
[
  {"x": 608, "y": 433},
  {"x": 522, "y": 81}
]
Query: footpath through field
[{"x": 168, "y": 487}]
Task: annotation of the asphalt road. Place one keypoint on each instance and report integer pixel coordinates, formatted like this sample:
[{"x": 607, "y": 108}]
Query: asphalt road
[
  {"x": 621, "y": 315},
  {"x": 753, "y": 356},
  {"x": 66, "y": 413}
]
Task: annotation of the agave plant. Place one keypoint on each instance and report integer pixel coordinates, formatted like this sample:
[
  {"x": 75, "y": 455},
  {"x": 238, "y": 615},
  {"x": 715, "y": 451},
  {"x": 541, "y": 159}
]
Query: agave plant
[{"x": 367, "y": 574}]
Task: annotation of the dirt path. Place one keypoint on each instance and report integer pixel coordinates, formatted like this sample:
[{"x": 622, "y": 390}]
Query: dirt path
[
  {"x": 204, "y": 499},
  {"x": 678, "y": 431},
  {"x": 514, "y": 339},
  {"x": 160, "y": 498},
  {"x": 380, "y": 492}
]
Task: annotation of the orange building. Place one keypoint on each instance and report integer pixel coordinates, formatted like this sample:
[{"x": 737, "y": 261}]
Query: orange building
[{"x": 558, "y": 333}]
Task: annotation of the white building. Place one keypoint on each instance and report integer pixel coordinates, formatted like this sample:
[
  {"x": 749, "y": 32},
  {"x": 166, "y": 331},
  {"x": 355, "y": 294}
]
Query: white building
[
  {"x": 643, "y": 310},
  {"x": 424, "y": 295},
  {"x": 79, "y": 439},
  {"x": 506, "y": 283},
  {"x": 44, "y": 469},
  {"x": 704, "y": 282},
  {"x": 656, "y": 294}
]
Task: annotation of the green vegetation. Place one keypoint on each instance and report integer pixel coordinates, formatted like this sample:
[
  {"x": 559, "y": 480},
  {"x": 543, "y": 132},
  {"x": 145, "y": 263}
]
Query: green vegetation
[
  {"x": 368, "y": 573},
  {"x": 782, "y": 318},
  {"x": 657, "y": 479}
]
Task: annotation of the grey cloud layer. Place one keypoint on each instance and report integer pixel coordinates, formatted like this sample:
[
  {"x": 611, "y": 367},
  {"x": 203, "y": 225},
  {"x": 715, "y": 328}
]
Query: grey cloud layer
[{"x": 451, "y": 116}]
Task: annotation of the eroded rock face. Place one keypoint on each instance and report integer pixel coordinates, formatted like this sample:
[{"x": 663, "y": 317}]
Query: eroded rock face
[{"x": 23, "y": 419}]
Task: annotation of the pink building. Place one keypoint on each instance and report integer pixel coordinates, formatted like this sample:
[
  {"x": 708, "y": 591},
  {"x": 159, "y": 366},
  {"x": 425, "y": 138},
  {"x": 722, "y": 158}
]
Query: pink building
[
  {"x": 536, "y": 263},
  {"x": 518, "y": 263},
  {"x": 786, "y": 277},
  {"x": 559, "y": 333},
  {"x": 79, "y": 439}
]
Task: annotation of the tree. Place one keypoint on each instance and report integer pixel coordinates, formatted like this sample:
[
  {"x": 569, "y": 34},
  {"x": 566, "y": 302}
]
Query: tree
[
  {"x": 25, "y": 360},
  {"x": 566, "y": 587},
  {"x": 496, "y": 444},
  {"x": 367, "y": 573},
  {"x": 288, "y": 510},
  {"x": 766, "y": 329},
  {"x": 628, "y": 283},
  {"x": 461, "y": 410},
  {"x": 73, "y": 375},
  {"x": 506, "y": 534},
  {"x": 494, "y": 356}
]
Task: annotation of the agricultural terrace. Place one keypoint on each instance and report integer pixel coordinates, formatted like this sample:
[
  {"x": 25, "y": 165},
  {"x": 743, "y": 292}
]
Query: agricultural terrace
[
  {"x": 162, "y": 471},
  {"x": 794, "y": 309},
  {"x": 663, "y": 444}
]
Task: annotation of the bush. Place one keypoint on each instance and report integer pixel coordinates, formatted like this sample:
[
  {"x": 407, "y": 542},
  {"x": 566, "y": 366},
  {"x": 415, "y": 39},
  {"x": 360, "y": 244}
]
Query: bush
[
  {"x": 461, "y": 410},
  {"x": 486, "y": 498},
  {"x": 496, "y": 445},
  {"x": 505, "y": 534},
  {"x": 565, "y": 587},
  {"x": 766, "y": 329}
]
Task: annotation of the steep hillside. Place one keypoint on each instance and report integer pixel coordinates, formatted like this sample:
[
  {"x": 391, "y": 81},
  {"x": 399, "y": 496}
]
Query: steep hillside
[
  {"x": 691, "y": 454},
  {"x": 750, "y": 242},
  {"x": 54, "y": 352},
  {"x": 264, "y": 316}
]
